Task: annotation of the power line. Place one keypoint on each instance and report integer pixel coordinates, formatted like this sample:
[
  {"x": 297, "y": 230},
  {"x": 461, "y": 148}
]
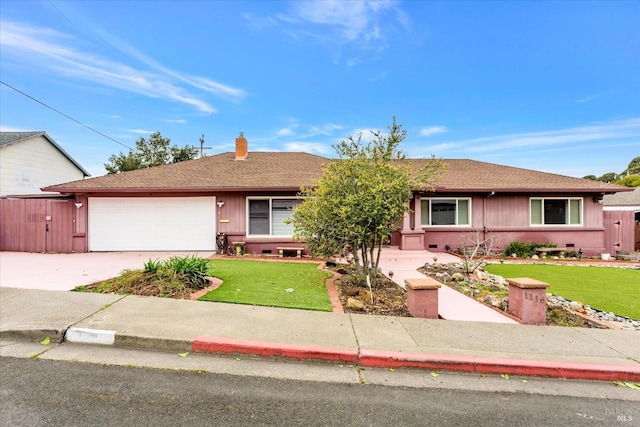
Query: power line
[
  {"x": 62, "y": 14},
  {"x": 65, "y": 115}
]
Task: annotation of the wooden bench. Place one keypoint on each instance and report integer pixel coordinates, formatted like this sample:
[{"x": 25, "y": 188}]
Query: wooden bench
[
  {"x": 283, "y": 250},
  {"x": 544, "y": 251}
]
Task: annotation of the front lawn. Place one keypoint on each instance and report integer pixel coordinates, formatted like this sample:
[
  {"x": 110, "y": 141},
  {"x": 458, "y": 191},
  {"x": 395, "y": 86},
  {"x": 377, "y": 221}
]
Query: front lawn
[
  {"x": 603, "y": 288},
  {"x": 275, "y": 284}
]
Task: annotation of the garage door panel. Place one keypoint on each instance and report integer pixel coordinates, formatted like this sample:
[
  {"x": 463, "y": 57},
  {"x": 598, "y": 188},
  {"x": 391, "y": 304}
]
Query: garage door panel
[{"x": 151, "y": 223}]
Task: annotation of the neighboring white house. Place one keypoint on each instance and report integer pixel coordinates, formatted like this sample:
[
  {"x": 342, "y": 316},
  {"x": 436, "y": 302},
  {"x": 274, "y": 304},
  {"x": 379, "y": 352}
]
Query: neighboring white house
[{"x": 30, "y": 161}]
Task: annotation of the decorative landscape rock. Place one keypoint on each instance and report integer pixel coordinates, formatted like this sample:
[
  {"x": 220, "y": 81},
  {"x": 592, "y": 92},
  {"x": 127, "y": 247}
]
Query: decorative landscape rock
[
  {"x": 454, "y": 271},
  {"x": 458, "y": 277},
  {"x": 575, "y": 306},
  {"x": 493, "y": 300},
  {"x": 354, "y": 304}
]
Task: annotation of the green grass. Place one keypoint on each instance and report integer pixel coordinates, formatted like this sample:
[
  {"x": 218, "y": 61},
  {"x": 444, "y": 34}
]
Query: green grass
[
  {"x": 603, "y": 288},
  {"x": 265, "y": 283}
]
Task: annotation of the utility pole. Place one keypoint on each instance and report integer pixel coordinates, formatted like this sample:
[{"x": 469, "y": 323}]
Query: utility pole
[{"x": 202, "y": 147}]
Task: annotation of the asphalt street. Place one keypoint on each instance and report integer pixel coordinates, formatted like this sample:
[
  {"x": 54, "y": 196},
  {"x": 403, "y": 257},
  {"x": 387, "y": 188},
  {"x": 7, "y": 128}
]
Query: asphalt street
[
  {"x": 68, "y": 384},
  {"x": 48, "y": 393}
]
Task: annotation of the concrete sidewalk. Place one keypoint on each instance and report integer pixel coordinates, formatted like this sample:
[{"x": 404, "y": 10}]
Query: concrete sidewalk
[{"x": 364, "y": 340}]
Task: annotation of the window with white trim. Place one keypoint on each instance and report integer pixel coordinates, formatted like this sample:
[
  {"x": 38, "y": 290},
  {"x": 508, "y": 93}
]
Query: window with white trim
[
  {"x": 266, "y": 216},
  {"x": 446, "y": 211},
  {"x": 556, "y": 211}
]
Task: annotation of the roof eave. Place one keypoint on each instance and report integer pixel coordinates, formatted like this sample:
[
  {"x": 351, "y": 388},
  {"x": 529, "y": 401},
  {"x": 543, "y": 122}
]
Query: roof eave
[
  {"x": 526, "y": 190},
  {"x": 71, "y": 190}
]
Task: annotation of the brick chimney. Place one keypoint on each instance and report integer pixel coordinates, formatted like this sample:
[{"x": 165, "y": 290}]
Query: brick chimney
[{"x": 241, "y": 147}]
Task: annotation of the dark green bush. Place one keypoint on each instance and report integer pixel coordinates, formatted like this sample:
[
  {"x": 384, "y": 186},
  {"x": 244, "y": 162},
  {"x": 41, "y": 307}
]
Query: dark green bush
[{"x": 526, "y": 249}]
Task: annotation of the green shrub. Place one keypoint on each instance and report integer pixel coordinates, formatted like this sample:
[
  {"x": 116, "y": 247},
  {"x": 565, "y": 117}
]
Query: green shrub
[
  {"x": 526, "y": 249},
  {"x": 190, "y": 269},
  {"x": 152, "y": 266}
]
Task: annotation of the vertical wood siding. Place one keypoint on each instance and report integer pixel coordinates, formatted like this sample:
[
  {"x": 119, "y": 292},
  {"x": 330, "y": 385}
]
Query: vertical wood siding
[
  {"x": 60, "y": 233},
  {"x": 507, "y": 218},
  {"x": 622, "y": 236},
  {"x": 24, "y": 225}
]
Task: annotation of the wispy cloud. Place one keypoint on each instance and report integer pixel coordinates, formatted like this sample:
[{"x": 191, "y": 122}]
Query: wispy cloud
[
  {"x": 140, "y": 131},
  {"x": 284, "y": 132},
  {"x": 432, "y": 130},
  {"x": 326, "y": 129},
  {"x": 308, "y": 147},
  {"x": 571, "y": 138},
  {"x": 362, "y": 22},
  {"x": 178, "y": 121},
  {"x": 4, "y": 128},
  {"x": 588, "y": 98},
  {"x": 47, "y": 49}
]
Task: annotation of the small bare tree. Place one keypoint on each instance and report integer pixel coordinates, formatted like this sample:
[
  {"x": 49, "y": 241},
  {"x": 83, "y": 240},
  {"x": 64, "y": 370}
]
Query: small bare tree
[{"x": 476, "y": 247}]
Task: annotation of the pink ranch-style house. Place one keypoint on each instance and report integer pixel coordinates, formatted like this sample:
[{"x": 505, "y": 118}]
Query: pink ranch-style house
[{"x": 247, "y": 195}]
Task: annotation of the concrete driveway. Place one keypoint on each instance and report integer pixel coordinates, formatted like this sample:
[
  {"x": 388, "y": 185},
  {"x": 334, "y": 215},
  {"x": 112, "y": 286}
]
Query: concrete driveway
[{"x": 63, "y": 272}]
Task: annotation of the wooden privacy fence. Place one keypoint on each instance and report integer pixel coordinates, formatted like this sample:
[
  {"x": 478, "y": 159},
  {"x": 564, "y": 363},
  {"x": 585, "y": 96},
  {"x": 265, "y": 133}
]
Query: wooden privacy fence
[
  {"x": 620, "y": 231},
  {"x": 37, "y": 225}
]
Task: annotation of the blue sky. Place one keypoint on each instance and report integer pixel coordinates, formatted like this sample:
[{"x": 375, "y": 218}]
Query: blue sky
[{"x": 551, "y": 86}]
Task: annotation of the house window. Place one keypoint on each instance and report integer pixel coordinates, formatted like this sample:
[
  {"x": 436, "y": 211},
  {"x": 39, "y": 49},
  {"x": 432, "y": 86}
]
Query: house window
[
  {"x": 556, "y": 211},
  {"x": 267, "y": 216},
  {"x": 456, "y": 212}
]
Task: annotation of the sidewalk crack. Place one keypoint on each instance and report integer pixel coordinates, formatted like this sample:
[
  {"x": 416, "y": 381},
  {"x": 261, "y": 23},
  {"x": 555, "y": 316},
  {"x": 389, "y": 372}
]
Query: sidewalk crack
[
  {"x": 355, "y": 335},
  {"x": 104, "y": 307},
  {"x": 625, "y": 356}
]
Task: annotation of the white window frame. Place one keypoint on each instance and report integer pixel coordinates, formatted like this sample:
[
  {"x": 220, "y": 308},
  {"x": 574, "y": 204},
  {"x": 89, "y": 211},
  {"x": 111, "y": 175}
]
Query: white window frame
[
  {"x": 270, "y": 199},
  {"x": 457, "y": 199},
  {"x": 568, "y": 214}
]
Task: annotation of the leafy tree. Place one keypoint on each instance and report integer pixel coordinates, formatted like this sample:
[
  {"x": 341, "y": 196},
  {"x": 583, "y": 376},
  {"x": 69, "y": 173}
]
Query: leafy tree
[
  {"x": 361, "y": 197},
  {"x": 155, "y": 151},
  {"x": 608, "y": 177},
  {"x": 630, "y": 181},
  {"x": 634, "y": 167}
]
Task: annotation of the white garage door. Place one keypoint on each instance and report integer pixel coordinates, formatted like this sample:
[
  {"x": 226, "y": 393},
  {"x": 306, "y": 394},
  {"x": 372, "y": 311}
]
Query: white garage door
[{"x": 151, "y": 223}]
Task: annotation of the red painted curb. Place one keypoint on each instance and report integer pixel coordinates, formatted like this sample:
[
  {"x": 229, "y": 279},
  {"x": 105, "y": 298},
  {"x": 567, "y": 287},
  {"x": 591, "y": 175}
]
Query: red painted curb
[
  {"x": 391, "y": 359},
  {"x": 394, "y": 359},
  {"x": 267, "y": 349}
]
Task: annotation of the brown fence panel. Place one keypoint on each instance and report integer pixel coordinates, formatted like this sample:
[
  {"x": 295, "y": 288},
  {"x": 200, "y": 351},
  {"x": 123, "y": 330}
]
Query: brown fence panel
[
  {"x": 23, "y": 225},
  {"x": 60, "y": 214},
  {"x": 620, "y": 229},
  {"x": 36, "y": 225}
]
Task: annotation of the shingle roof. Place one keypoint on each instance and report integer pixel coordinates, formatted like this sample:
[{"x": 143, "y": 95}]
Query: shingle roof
[
  {"x": 631, "y": 198},
  {"x": 8, "y": 138},
  {"x": 291, "y": 171},
  {"x": 268, "y": 170},
  {"x": 475, "y": 176}
]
